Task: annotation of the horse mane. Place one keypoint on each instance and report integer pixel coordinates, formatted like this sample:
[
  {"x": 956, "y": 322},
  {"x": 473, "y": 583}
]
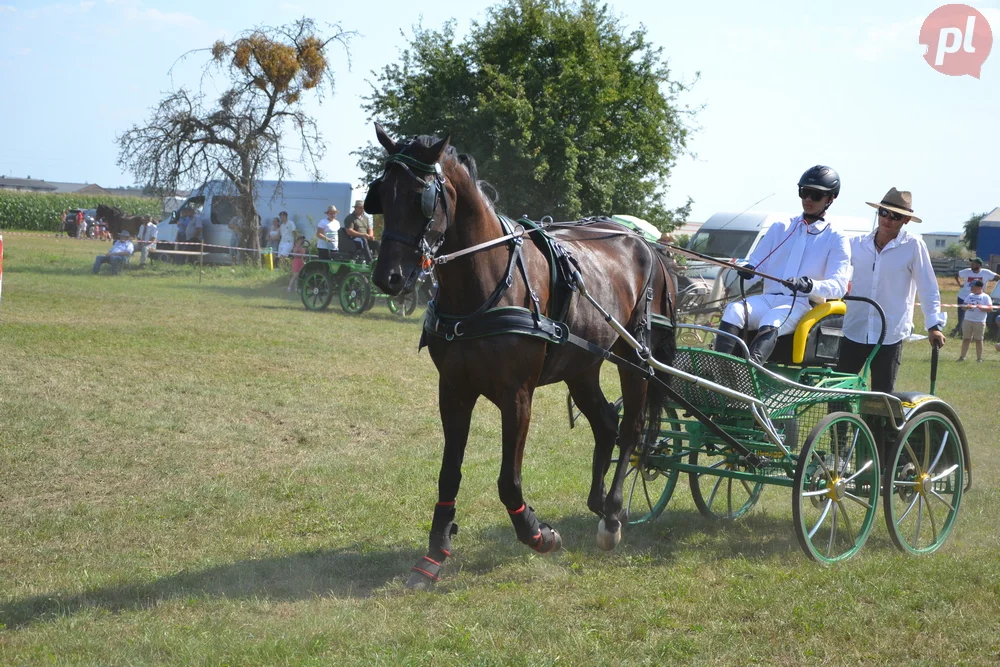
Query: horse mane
[{"x": 464, "y": 159}]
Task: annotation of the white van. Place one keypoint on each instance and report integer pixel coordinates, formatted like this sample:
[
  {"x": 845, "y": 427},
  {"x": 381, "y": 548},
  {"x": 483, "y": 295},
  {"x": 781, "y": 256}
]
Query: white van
[
  {"x": 732, "y": 236},
  {"x": 216, "y": 204}
]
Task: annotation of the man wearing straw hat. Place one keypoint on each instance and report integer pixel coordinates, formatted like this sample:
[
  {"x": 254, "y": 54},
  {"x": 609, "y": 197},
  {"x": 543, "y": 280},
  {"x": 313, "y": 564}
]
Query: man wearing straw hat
[{"x": 890, "y": 265}]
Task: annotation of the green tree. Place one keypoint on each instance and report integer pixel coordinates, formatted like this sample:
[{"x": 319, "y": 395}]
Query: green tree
[
  {"x": 971, "y": 233},
  {"x": 954, "y": 251},
  {"x": 243, "y": 134},
  {"x": 565, "y": 112}
]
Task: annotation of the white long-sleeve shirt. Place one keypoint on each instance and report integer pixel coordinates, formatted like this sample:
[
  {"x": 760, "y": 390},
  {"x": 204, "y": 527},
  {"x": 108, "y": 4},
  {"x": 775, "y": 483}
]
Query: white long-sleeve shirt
[
  {"x": 792, "y": 249},
  {"x": 890, "y": 278}
]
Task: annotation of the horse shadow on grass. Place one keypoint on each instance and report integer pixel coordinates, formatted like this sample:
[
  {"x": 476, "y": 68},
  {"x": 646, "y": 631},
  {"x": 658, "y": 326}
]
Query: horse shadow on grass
[
  {"x": 355, "y": 571},
  {"x": 757, "y": 536},
  {"x": 360, "y": 570}
]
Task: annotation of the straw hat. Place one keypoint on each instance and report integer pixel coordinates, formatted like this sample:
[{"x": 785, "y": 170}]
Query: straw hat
[
  {"x": 898, "y": 202},
  {"x": 332, "y": 209}
]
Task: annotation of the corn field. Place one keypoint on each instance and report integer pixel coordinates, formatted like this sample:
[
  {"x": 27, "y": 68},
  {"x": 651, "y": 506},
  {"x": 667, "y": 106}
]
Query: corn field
[{"x": 38, "y": 211}]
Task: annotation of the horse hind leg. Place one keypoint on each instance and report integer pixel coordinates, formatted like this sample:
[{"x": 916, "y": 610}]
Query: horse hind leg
[
  {"x": 456, "y": 415},
  {"x": 641, "y": 400},
  {"x": 516, "y": 416},
  {"x": 603, "y": 419}
]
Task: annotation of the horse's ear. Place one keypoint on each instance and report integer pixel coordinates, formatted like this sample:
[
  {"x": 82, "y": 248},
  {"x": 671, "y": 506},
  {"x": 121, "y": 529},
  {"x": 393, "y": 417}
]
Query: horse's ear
[
  {"x": 383, "y": 138},
  {"x": 438, "y": 149}
]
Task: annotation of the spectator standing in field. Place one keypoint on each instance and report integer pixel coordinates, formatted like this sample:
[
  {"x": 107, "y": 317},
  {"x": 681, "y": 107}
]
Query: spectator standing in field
[
  {"x": 195, "y": 229},
  {"x": 978, "y": 305},
  {"x": 965, "y": 278},
  {"x": 81, "y": 226},
  {"x": 274, "y": 237},
  {"x": 890, "y": 266},
  {"x": 236, "y": 237},
  {"x": 183, "y": 220},
  {"x": 118, "y": 255},
  {"x": 287, "y": 230},
  {"x": 299, "y": 251},
  {"x": 359, "y": 227},
  {"x": 64, "y": 225},
  {"x": 146, "y": 240},
  {"x": 326, "y": 233}
]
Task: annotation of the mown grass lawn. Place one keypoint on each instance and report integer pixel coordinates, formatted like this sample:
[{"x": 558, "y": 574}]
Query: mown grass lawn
[{"x": 203, "y": 473}]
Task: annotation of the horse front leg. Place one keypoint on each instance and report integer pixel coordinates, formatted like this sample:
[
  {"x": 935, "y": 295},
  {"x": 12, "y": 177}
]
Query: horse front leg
[
  {"x": 609, "y": 529},
  {"x": 456, "y": 414},
  {"x": 515, "y": 417}
]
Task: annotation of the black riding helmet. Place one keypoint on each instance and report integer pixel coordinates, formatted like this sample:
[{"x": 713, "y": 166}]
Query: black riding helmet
[{"x": 821, "y": 178}]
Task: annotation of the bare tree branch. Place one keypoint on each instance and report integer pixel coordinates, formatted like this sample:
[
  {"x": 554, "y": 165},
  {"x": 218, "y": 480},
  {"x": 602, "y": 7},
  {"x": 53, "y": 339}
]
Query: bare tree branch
[{"x": 242, "y": 135}]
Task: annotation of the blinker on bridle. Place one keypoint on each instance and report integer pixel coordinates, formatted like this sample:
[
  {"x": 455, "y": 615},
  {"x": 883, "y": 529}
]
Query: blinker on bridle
[{"x": 432, "y": 191}]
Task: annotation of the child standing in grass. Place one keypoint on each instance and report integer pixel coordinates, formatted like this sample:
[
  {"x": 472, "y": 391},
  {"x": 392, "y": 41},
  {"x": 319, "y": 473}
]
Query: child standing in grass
[
  {"x": 299, "y": 252},
  {"x": 976, "y": 305}
]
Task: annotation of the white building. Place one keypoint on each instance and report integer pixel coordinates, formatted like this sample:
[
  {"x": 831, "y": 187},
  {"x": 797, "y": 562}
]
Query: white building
[{"x": 938, "y": 242}]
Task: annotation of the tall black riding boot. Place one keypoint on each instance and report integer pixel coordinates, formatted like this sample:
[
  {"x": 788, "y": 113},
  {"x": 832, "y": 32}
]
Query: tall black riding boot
[
  {"x": 726, "y": 343},
  {"x": 763, "y": 345}
]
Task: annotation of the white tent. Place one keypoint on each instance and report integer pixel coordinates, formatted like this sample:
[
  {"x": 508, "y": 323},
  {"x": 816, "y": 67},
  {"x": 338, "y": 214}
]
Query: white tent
[{"x": 645, "y": 228}]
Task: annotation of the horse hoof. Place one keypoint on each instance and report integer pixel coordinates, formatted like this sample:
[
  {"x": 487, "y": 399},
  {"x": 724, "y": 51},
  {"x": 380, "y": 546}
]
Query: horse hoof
[
  {"x": 418, "y": 582},
  {"x": 556, "y": 541},
  {"x": 607, "y": 540}
]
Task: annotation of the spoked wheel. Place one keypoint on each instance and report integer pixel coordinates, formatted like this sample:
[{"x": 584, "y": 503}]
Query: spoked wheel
[
  {"x": 316, "y": 290},
  {"x": 697, "y": 337},
  {"x": 355, "y": 293},
  {"x": 649, "y": 486},
  {"x": 722, "y": 498},
  {"x": 836, "y": 488},
  {"x": 403, "y": 305},
  {"x": 924, "y": 483}
]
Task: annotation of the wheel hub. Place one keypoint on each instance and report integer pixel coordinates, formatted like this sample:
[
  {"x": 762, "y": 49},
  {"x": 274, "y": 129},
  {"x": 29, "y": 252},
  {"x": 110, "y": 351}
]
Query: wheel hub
[
  {"x": 924, "y": 484},
  {"x": 837, "y": 490}
]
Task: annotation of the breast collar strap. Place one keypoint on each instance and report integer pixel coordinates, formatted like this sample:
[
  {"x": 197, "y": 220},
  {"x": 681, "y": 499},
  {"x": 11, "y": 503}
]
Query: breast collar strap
[{"x": 516, "y": 241}]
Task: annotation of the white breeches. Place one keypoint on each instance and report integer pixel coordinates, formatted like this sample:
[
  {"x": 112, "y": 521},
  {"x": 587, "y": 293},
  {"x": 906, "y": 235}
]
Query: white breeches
[{"x": 767, "y": 310}]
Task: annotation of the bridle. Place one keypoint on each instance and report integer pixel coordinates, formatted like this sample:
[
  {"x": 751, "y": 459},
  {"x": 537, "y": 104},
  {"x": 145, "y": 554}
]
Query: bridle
[{"x": 429, "y": 241}]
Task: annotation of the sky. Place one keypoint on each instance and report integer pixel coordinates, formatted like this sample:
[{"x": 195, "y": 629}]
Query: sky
[{"x": 780, "y": 86}]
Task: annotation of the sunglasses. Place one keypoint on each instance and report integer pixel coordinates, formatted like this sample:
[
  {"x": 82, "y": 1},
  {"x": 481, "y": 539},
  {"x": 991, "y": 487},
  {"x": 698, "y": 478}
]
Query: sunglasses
[
  {"x": 810, "y": 193},
  {"x": 886, "y": 213}
]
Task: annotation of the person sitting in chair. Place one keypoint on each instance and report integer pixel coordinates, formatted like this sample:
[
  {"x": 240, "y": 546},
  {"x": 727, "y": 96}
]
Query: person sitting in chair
[
  {"x": 118, "y": 255},
  {"x": 359, "y": 228},
  {"x": 805, "y": 246}
]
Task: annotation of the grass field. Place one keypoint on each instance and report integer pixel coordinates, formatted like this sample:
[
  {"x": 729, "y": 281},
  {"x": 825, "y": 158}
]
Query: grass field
[{"x": 203, "y": 473}]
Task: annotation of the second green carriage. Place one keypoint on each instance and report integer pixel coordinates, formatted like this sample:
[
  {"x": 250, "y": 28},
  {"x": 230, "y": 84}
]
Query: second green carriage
[{"x": 348, "y": 279}]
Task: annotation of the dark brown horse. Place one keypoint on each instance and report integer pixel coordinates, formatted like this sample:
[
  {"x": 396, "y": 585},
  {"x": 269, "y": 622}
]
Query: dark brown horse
[
  {"x": 493, "y": 331},
  {"x": 118, "y": 221}
]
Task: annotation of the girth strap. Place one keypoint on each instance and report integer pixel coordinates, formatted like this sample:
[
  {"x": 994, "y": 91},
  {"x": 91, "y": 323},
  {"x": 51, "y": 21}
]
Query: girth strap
[{"x": 503, "y": 320}]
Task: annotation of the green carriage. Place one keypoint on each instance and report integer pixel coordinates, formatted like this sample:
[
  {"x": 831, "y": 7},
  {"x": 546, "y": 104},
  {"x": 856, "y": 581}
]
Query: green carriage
[
  {"x": 348, "y": 278},
  {"x": 734, "y": 428}
]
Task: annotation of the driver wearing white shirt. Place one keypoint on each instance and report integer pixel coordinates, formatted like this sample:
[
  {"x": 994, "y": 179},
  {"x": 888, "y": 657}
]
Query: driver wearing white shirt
[
  {"x": 890, "y": 265},
  {"x": 805, "y": 246}
]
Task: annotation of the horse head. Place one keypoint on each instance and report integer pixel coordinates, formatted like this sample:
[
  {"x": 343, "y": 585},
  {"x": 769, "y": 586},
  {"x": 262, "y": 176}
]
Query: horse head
[{"x": 417, "y": 207}]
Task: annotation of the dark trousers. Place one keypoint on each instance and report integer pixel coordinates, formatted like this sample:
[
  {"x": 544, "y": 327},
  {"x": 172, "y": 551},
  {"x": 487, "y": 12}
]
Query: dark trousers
[
  {"x": 362, "y": 249},
  {"x": 961, "y": 316},
  {"x": 884, "y": 366},
  {"x": 324, "y": 253}
]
